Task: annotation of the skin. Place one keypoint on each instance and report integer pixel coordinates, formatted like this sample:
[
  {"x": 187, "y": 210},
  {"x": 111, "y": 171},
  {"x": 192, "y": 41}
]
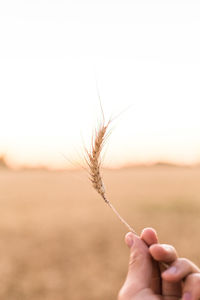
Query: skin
[{"x": 148, "y": 279}]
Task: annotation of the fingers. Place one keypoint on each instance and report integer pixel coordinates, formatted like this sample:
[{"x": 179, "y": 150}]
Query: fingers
[
  {"x": 149, "y": 236},
  {"x": 164, "y": 253},
  {"x": 140, "y": 266},
  {"x": 191, "y": 290},
  {"x": 178, "y": 270},
  {"x": 182, "y": 269}
]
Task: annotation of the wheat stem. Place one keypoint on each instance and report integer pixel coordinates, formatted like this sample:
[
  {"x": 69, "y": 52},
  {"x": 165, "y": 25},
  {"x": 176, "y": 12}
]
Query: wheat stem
[{"x": 120, "y": 217}]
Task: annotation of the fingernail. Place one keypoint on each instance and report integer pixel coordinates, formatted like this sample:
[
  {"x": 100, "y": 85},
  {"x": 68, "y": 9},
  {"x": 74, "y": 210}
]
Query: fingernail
[
  {"x": 129, "y": 240},
  {"x": 187, "y": 296},
  {"x": 171, "y": 270},
  {"x": 167, "y": 247}
]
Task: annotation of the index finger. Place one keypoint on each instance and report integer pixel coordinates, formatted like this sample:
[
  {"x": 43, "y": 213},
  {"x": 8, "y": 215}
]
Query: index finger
[
  {"x": 163, "y": 253},
  {"x": 166, "y": 254}
]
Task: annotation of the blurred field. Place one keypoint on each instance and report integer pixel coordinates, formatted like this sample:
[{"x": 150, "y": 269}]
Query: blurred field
[{"x": 58, "y": 240}]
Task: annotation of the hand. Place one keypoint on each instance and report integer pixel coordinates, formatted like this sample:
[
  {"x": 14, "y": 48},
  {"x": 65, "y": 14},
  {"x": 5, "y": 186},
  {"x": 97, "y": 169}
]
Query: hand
[{"x": 146, "y": 279}]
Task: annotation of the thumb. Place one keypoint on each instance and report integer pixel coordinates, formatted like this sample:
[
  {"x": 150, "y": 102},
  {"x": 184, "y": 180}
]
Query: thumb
[{"x": 140, "y": 265}]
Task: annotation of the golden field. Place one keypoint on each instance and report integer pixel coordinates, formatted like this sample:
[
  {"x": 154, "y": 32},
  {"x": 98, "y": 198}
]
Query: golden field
[{"x": 59, "y": 240}]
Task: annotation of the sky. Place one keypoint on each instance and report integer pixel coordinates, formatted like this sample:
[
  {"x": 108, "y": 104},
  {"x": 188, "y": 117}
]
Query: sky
[{"x": 140, "y": 57}]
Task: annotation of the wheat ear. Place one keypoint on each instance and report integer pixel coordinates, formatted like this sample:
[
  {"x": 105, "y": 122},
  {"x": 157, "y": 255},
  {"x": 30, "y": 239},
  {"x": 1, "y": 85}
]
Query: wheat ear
[{"x": 93, "y": 159}]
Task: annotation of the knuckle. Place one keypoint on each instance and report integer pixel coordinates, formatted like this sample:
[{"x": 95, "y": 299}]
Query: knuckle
[
  {"x": 183, "y": 260},
  {"x": 136, "y": 257},
  {"x": 183, "y": 264},
  {"x": 188, "y": 264},
  {"x": 132, "y": 259},
  {"x": 194, "y": 278}
]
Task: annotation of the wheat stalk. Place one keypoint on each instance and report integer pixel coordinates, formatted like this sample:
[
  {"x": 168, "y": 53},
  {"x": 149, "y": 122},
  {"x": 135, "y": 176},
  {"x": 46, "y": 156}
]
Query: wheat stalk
[{"x": 93, "y": 159}]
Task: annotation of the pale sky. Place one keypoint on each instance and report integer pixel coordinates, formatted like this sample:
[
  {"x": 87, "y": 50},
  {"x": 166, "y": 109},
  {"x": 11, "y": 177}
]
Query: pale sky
[{"x": 144, "y": 56}]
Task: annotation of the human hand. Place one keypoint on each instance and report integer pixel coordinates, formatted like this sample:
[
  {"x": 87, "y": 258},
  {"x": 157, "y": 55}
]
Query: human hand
[{"x": 146, "y": 279}]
